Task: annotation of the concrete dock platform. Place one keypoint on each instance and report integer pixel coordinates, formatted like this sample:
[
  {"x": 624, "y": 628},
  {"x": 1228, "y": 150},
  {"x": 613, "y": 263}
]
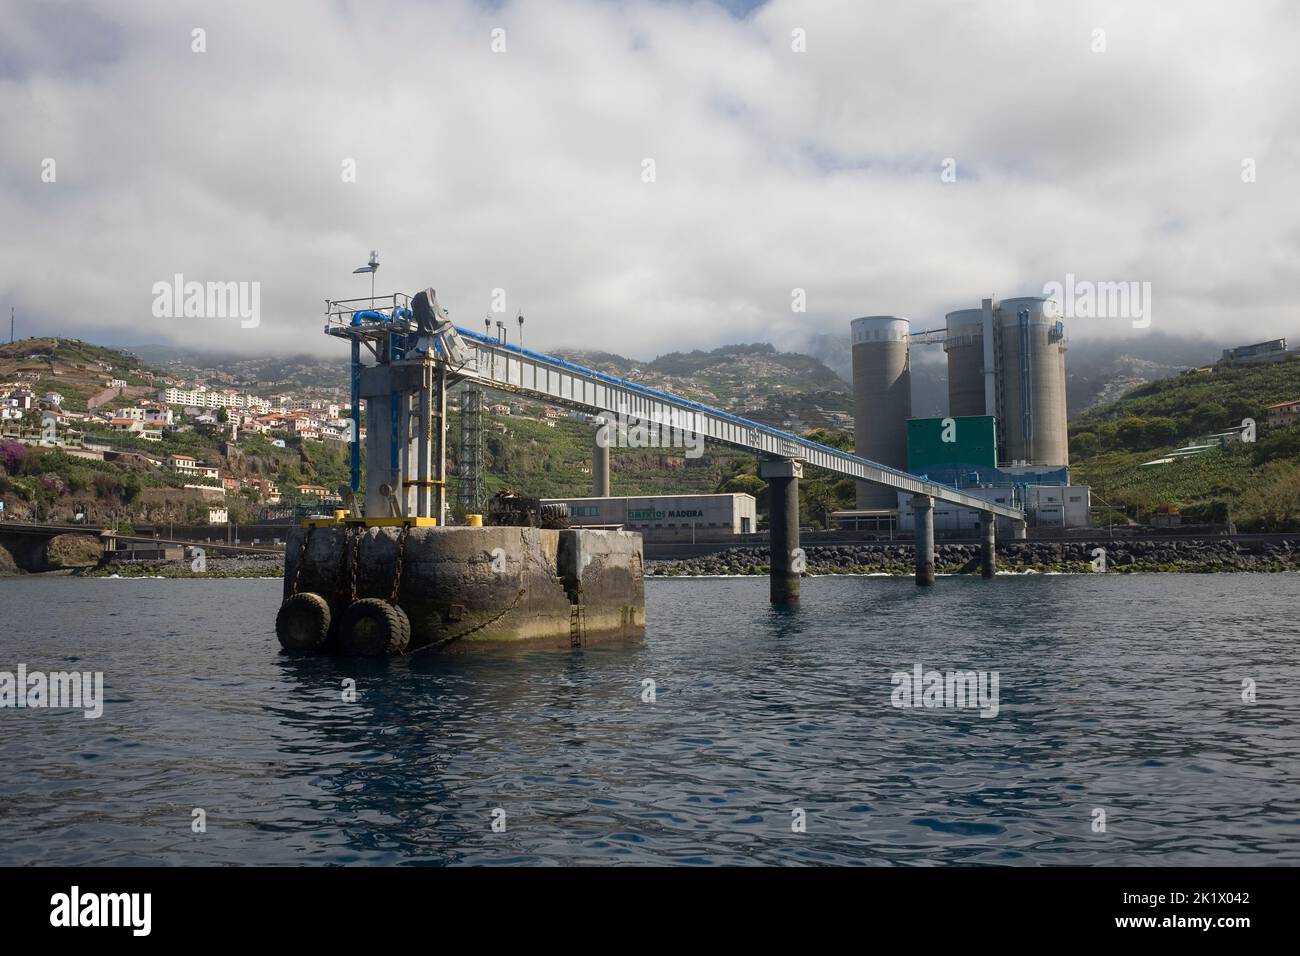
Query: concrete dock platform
[{"x": 463, "y": 588}]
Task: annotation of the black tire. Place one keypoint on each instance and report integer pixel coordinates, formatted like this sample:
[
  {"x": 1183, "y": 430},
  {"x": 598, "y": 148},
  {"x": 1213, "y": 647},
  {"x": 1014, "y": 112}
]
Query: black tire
[
  {"x": 406, "y": 627},
  {"x": 555, "y": 516},
  {"x": 372, "y": 627},
  {"x": 303, "y": 623}
]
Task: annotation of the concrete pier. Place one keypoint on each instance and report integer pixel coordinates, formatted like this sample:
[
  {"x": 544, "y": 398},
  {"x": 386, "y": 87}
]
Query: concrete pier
[
  {"x": 1019, "y": 530},
  {"x": 782, "y": 479},
  {"x": 600, "y": 459},
  {"x": 988, "y": 545},
  {"x": 923, "y": 508},
  {"x": 463, "y": 588}
]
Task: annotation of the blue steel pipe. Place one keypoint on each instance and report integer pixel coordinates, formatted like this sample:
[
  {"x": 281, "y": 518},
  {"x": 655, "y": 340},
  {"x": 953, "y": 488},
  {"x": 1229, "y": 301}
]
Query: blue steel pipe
[{"x": 356, "y": 408}]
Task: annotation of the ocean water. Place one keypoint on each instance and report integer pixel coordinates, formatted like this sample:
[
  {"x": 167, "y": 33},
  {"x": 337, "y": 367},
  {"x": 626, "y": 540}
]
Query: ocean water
[{"x": 772, "y": 737}]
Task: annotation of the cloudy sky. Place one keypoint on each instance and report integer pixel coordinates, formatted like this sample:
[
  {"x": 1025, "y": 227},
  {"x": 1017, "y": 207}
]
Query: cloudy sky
[{"x": 646, "y": 176}]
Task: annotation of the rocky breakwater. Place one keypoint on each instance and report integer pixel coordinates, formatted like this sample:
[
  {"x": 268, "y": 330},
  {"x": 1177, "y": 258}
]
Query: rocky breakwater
[
  {"x": 212, "y": 566},
  {"x": 1123, "y": 556}
]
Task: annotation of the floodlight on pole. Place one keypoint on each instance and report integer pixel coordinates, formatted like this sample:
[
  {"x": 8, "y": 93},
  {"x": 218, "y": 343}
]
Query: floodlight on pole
[{"x": 372, "y": 267}]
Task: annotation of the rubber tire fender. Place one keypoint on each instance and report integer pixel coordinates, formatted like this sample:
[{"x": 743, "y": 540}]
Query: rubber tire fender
[
  {"x": 371, "y": 627},
  {"x": 303, "y": 623}
]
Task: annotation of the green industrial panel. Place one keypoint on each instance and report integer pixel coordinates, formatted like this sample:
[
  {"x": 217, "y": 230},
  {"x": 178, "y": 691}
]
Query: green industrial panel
[{"x": 970, "y": 440}]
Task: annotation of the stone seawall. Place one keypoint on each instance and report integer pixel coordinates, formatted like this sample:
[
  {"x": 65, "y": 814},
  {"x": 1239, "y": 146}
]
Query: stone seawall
[{"x": 470, "y": 587}]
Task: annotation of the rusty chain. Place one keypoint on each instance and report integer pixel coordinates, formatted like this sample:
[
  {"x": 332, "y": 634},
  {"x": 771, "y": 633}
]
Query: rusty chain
[
  {"x": 401, "y": 552},
  {"x": 355, "y": 559},
  {"x": 302, "y": 559},
  {"x": 477, "y": 627}
]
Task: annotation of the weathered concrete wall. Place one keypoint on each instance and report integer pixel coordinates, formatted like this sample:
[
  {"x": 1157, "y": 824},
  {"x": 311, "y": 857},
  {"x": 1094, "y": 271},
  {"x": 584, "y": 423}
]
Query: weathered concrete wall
[
  {"x": 466, "y": 587},
  {"x": 607, "y": 571}
]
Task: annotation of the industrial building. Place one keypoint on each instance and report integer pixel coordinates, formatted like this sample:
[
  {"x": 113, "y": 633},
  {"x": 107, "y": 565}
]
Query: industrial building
[
  {"x": 1005, "y": 436},
  {"x": 1045, "y": 506},
  {"x": 667, "y": 517},
  {"x": 1274, "y": 350}
]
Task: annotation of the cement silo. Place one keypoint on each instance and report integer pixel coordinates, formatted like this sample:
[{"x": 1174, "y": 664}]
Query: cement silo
[
  {"x": 1031, "y": 382},
  {"x": 882, "y": 399},
  {"x": 964, "y": 344}
]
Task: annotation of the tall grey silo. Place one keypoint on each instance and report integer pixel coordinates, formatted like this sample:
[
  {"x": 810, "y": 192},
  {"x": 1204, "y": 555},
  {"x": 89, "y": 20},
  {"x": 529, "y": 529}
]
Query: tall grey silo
[
  {"x": 964, "y": 345},
  {"x": 882, "y": 399},
  {"x": 1031, "y": 381}
]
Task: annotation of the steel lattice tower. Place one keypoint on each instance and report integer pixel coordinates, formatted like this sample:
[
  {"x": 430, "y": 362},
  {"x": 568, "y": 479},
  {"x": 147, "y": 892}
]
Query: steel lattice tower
[{"x": 471, "y": 451}]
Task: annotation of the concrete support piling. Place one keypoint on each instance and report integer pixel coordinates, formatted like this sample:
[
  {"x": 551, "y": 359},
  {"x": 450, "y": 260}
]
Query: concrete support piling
[
  {"x": 600, "y": 459},
  {"x": 923, "y": 509},
  {"x": 1019, "y": 530},
  {"x": 782, "y": 479},
  {"x": 988, "y": 544}
]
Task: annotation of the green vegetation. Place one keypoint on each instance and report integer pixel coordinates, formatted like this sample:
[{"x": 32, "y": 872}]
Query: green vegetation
[
  {"x": 525, "y": 455},
  {"x": 1256, "y": 486}
]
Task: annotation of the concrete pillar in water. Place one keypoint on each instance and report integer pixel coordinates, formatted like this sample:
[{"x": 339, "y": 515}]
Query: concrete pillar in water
[
  {"x": 787, "y": 559},
  {"x": 988, "y": 543},
  {"x": 1019, "y": 530},
  {"x": 600, "y": 458},
  {"x": 923, "y": 510}
]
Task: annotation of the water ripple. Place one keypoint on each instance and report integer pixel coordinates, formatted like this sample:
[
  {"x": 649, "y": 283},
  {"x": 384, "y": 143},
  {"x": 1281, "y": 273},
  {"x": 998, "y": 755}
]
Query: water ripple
[{"x": 772, "y": 738}]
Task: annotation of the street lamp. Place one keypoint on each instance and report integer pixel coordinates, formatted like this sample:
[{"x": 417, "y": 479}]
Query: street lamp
[
  {"x": 520, "y": 320},
  {"x": 372, "y": 267}
]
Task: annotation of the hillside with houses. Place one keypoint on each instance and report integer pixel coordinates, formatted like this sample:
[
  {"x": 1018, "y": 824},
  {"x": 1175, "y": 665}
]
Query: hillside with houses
[
  {"x": 97, "y": 435},
  {"x": 93, "y": 432}
]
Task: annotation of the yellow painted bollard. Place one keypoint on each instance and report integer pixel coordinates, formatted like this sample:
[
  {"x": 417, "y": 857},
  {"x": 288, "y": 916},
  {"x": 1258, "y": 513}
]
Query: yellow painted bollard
[{"x": 474, "y": 521}]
